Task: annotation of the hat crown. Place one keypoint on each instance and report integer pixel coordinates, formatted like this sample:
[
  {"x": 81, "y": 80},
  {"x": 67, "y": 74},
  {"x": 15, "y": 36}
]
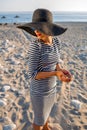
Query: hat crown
[
  {"x": 42, "y": 15},
  {"x": 42, "y": 20}
]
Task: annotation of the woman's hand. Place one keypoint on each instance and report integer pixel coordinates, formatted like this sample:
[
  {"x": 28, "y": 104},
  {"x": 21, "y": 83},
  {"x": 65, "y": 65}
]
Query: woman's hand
[
  {"x": 67, "y": 73},
  {"x": 64, "y": 75}
]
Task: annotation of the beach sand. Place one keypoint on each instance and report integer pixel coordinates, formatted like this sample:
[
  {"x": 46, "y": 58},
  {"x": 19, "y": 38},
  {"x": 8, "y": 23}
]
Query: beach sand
[{"x": 70, "y": 109}]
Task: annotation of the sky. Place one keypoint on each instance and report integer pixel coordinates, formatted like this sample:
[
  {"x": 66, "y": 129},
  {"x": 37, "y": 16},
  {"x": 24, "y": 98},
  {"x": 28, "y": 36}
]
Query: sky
[{"x": 53, "y": 5}]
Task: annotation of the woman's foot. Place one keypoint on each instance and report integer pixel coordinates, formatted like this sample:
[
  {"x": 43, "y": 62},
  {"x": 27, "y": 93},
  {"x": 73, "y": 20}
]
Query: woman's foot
[
  {"x": 46, "y": 126},
  {"x": 36, "y": 127}
]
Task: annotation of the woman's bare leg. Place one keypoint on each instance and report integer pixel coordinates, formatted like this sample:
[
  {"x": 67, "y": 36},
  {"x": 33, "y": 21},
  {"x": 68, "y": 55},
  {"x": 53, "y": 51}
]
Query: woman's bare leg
[
  {"x": 36, "y": 127},
  {"x": 46, "y": 127}
]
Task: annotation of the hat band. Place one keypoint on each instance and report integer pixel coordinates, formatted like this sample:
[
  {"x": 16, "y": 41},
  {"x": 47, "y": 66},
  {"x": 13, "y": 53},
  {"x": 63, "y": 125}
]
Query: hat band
[{"x": 42, "y": 20}]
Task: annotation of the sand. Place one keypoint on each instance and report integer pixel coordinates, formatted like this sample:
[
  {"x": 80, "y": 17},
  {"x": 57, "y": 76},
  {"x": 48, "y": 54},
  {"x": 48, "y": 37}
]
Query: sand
[{"x": 70, "y": 109}]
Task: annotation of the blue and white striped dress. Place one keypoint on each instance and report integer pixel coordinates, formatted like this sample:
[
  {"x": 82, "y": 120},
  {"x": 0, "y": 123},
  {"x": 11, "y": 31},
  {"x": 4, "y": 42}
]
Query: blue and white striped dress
[{"x": 43, "y": 57}]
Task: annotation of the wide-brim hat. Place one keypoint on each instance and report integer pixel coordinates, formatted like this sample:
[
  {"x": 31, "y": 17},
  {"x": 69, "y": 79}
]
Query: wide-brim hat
[{"x": 42, "y": 20}]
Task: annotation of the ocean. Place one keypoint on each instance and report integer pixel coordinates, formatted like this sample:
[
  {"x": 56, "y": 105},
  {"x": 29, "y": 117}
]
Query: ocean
[{"x": 24, "y": 17}]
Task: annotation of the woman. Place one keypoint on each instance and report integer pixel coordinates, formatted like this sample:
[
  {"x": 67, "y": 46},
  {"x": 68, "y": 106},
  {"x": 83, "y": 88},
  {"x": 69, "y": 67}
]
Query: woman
[{"x": 44, "y": 67}]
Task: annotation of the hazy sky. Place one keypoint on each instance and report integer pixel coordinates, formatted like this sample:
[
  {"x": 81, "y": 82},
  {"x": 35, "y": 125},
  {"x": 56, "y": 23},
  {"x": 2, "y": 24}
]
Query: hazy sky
[{"x": 53, "y": 5}]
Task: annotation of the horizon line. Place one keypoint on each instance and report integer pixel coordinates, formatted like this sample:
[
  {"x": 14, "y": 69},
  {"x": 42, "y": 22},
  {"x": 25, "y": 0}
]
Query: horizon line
[{"x": 52, "y": 11}]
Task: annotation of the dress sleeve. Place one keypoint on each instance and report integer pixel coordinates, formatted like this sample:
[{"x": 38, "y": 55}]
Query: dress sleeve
[{"x": 34, "y": 57}]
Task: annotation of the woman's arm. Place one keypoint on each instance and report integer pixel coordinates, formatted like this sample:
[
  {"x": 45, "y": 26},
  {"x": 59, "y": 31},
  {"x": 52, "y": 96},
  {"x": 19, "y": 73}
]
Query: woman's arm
[
  {"x": 43, "y": 75},
  {"x": 33, "y": 61},
  {"x": 60, "y": 75},
  {"x": 58, "y": 67}
]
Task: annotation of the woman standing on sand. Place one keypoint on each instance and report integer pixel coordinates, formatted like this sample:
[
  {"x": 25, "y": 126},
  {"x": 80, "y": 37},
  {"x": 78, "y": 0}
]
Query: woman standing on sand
[{"x": 44, "y": 67}]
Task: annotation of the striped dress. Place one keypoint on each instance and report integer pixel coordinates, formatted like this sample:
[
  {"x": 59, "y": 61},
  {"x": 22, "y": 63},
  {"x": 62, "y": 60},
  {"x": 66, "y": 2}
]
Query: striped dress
[{"x": 42, "y": 58}]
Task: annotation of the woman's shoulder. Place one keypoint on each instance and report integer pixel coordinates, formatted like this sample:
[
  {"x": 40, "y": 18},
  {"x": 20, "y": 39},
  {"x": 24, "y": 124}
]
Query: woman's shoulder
[
  {"x": 57, "y": 42},
  {"x": 56, "y": 39},
  {"x": 35, "y": 43}
]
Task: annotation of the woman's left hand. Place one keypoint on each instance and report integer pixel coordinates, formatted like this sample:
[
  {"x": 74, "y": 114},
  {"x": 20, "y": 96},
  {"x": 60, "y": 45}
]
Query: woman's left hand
[
  {"x": 67, "y": 77},
  {"x": 67, "y": 74}
]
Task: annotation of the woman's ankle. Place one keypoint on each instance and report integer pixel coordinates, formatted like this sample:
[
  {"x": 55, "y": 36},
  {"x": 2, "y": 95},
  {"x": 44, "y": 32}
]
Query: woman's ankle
[
  {"x": 37, "y": 127},
  {"x": 46, "y": 126}
]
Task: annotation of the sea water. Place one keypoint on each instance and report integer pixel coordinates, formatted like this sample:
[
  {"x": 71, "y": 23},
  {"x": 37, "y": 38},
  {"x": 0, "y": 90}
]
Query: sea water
[{"x": 24, "y": 17}]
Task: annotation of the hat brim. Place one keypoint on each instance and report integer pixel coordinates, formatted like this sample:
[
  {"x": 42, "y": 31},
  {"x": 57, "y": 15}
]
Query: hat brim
[{"x": 47, "y": 28}]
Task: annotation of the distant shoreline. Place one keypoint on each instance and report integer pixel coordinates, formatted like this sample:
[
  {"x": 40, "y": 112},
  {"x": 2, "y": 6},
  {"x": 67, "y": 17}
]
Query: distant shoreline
[
  {"x": 60, "y": 22},
  {"x": 18, "y": 17}
]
